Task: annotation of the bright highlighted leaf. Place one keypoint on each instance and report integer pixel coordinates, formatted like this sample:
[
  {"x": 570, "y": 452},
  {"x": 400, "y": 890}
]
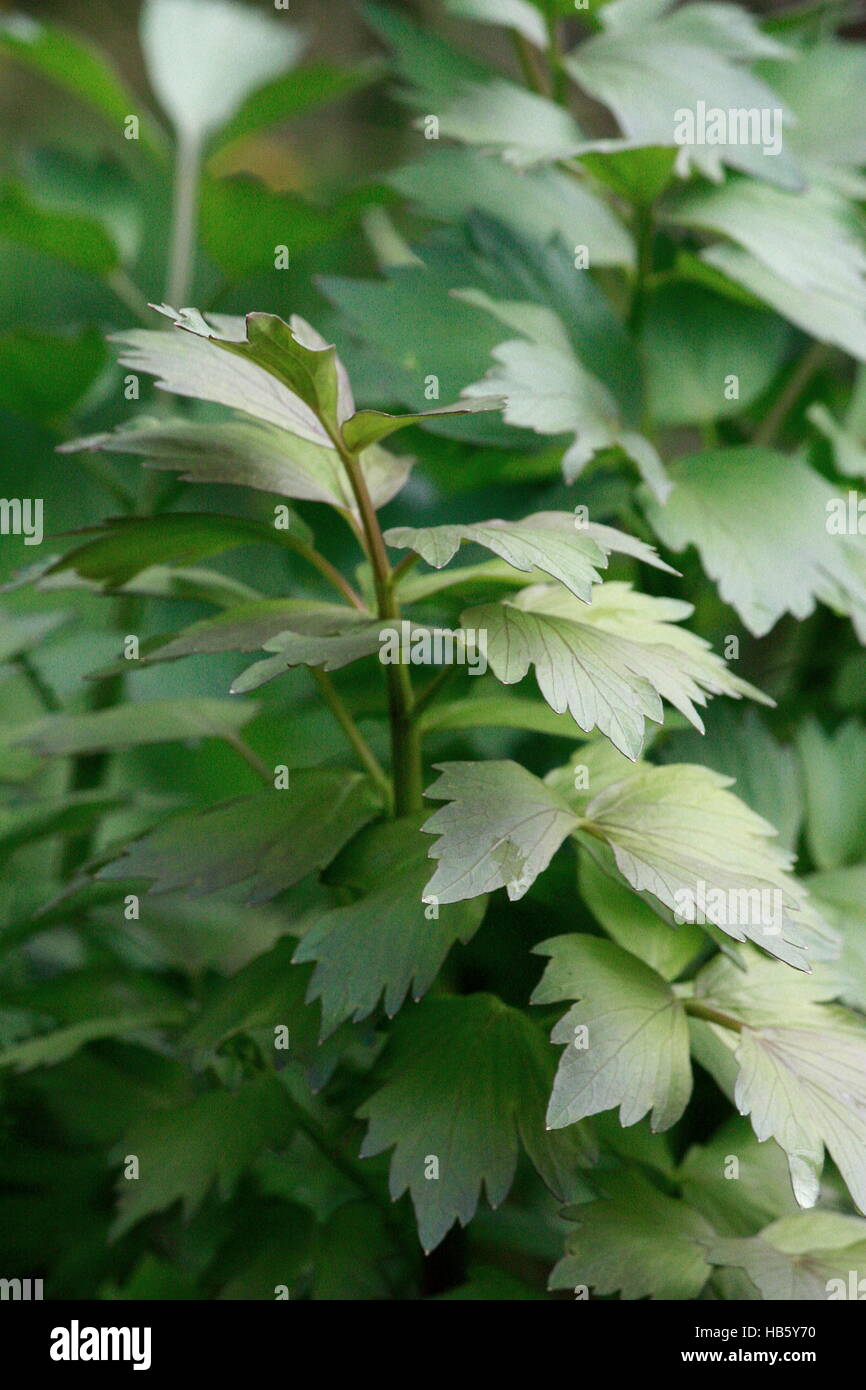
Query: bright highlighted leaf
[
  {"x": 500, "y": 829},
  {"x": 649, "y": 67},
  {"x": 247, "y": 453},
  {"x": 626, "y": 1042},
  {"x": 720, "y": 503},
  {"x": 609, "y": 663},
  {"x": 274, "y": 838},
  {"x": 548, "y": 390},
  {"x": 802, "y": 1068},
  {"x": 278, "y": 372},
  {"x": 678, "y": 833},
  {"x": 389, "y": 938},
  {"x": 204, "y": 57},
  {"x": 812, "y": 1256},
  {"x": 451, "y": 1097}
]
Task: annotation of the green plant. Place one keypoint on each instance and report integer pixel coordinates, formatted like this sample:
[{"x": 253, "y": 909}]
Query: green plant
[{"x": 276, "y": 979}]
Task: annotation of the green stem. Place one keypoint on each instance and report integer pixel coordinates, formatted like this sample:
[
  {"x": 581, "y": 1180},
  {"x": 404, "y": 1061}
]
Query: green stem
[
  {"x": 329, "y": 572},
  {"x": 528, "y": 61},
  {"x": 643, "y": 270},
  {"x": 38, "y": 684},
  {"x": 558, "y": 76},
  {"x": 405, "y": 741},
  {"x": 811, "y": 361},
  {"x": 353, "y": 734},
  {"x": 350, "y": 1170},
  {"x": 698, "y": 1010},
  {"x": 127, "y": 291},
  {"x": 423, "y": 698},
  {"x": 184, "y": 219},
  {"x": 250, "y": 758}
]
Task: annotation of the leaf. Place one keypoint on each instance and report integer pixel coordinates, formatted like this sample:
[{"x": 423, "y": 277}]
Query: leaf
[
  {"x": 833, "y": 769},
  {"x": 183, "y": 1152},
  {"x": 830, "y": 253},
  {"x": 205, "y": 57},
  {"x": 694, "y": 341},
  {"x": 329, "y": 639},
  {"x": 636, "y": 1242},
  {"x": 292, "y": 95},
  {"x": 654, "y": 65},
  {"x": 810, "y": 86},
  {"x": 501, "y": 829},
  {"x": 246, "y": 453},
  {"x": 245, "y": 628},
  {"x": 549, "y": 541},
  {"x": 66, "y": 236},
  {"x": 243, "y": 222},
  {"x": 450, "y": 183},
  {"x": 259, "y": 366},
  {"x": 387, "y": 939},
  {"x": 518, "y": 15},
  {"x": 21, "y": 632},
  {"x": 633, "y": 925},
  {"x": 811, "y": 1256},
  {"x": 608, "y": 663},
  {"x": 841, "y": 896},
  {"x": 134, "y": 725},
  {"x": 801, "y": 1069},
  {"x": 274, "y": 838},
  {"x": 847, "y": 440},
  {"x": 78, "y": 68},
  {"x": 47, "y": 1049},
  {"x": 549, "y": 391},
  {"x": 36, "y": 820},
  {"x": 762, "y": 571},
  {"x": 737, "y": 1198},
  {"x": 523, "y": 127},
  {"x": 677, "y": 833},
  {"x": 465, "y": 1079},
  {"x": 765, "y": 772},
  {"x": 627, "y": 1041},
  {"x": 124, "y": 546},
  {"x": 369, "y": 426},
  {"x": 495, "y": 712},
  {"x": 43, "y": 376},
  {"x": 823, "y": 316},
  {"x": 554, "y": 543}
]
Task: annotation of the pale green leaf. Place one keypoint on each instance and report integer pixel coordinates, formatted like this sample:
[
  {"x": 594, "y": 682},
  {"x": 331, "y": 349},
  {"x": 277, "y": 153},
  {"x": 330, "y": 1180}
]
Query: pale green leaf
[
  {"x": 720, "y": 502},
  {"x": 813, "y": 1256},
  {"x": 609, "y": 663},
  {"x": 204, "y": 57},
  {"x": 626, "y": 1041},
  {"x": 678, "y": 833},
  {"x": 501, "y": 828}
]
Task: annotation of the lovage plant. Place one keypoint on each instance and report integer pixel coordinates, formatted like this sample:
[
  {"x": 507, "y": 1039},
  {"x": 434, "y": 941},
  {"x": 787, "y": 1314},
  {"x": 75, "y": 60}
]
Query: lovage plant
[{"x": 450, "y": 884}]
